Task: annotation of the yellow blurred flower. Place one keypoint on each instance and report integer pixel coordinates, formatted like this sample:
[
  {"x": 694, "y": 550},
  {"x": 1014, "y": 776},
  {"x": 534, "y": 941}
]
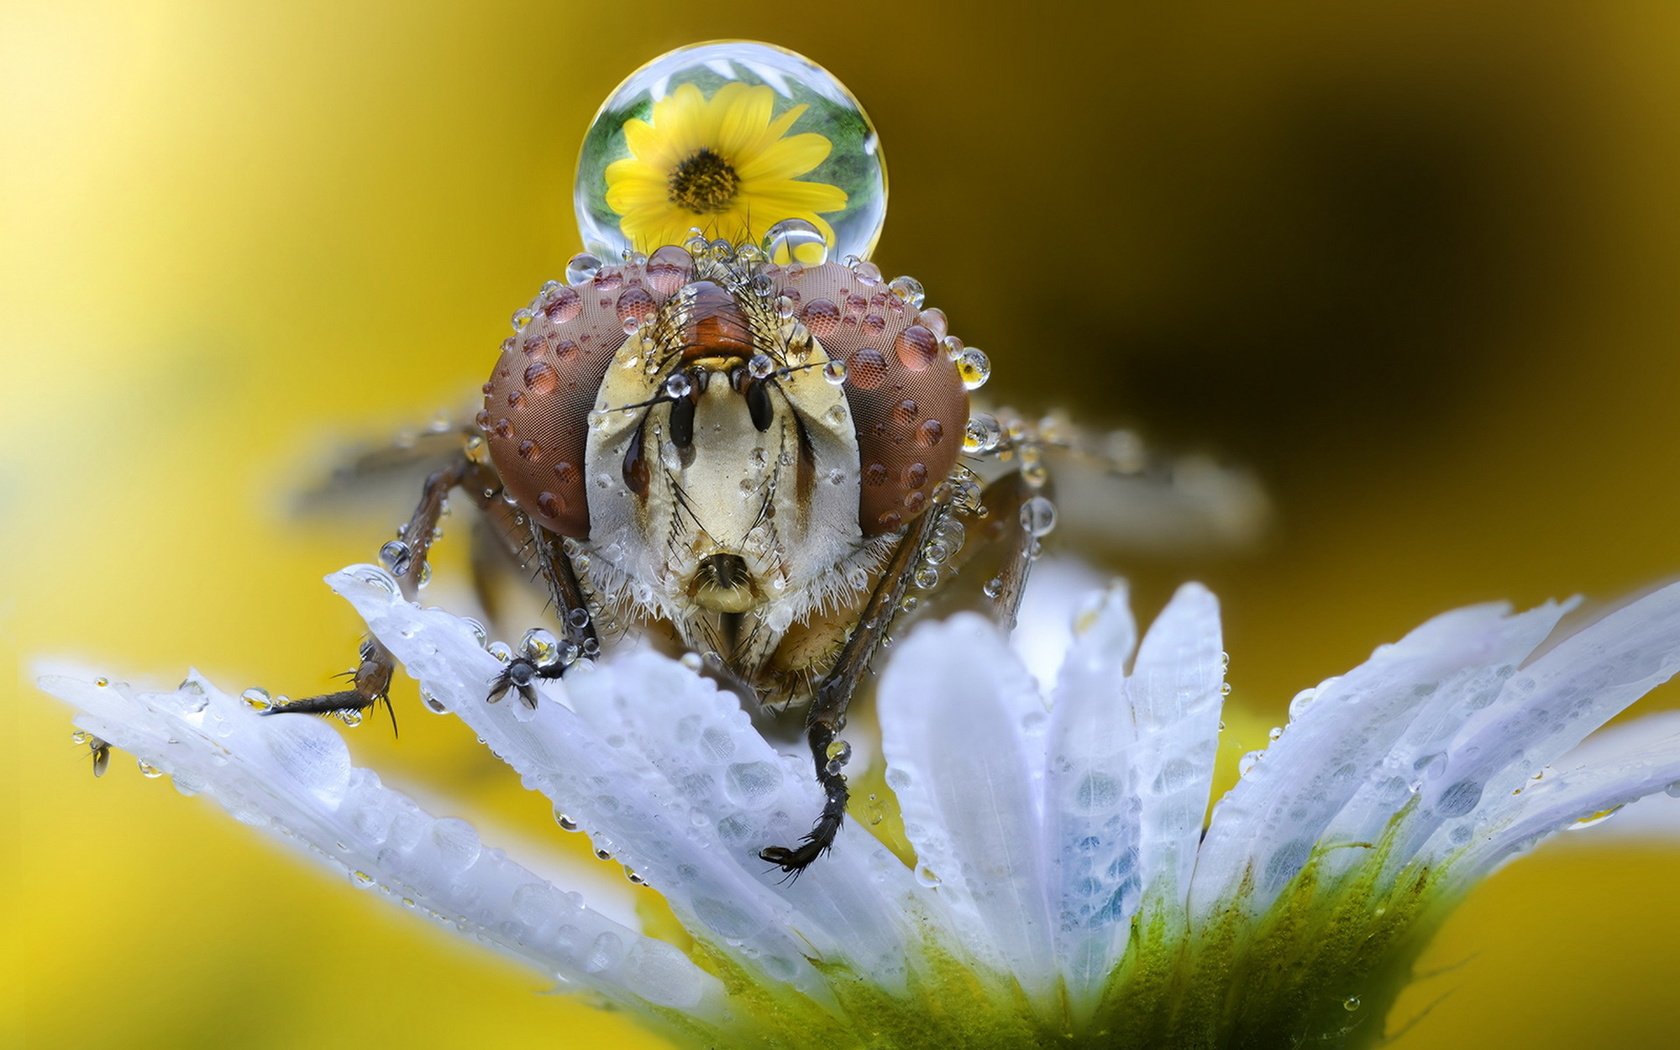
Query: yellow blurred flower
[{"x": 720, "y": 164}]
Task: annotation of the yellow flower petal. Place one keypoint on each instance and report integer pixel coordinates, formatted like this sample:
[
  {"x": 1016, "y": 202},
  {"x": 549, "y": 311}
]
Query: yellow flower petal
[
  {"x": 786, "y": 158},
  {"x": 738, "y": 126}
]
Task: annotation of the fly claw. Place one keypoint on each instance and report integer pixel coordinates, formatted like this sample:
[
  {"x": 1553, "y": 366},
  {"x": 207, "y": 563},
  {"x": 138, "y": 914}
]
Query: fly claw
[{"x": 542, "y": 656}]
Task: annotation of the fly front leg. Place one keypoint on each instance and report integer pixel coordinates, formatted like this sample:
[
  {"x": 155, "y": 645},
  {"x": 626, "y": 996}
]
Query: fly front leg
[
  {"x": 406, "y": 557},
  {"x": 1018, "y": 514},
  {"x": 827, "y": 715},
  {"x": 542, "y": 656}
]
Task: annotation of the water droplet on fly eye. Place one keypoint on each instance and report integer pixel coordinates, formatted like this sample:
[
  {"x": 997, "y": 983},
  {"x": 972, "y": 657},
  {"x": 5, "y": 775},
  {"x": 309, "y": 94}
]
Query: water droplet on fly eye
[
  {"x": 835, "y": 372},
  {"x": 351, "y": 717},
  {"x": 933, "y": 319},
  {"x": 951, "y": 346},
  {"x": 974, "y": 368},
  {"x": 822, "y": 318},
  {"x": 256, "y": 698},
  {"x": 916, "y": 348},
  {"x": 582, "y": 268},
  {"x": 564, "y": 305},
  {"x": 760, "y": 366},
  {"x": 908, "y": 291},
  {"x": 795, "y": 240},
  {"x": 147, "y": 770},
  {"x": 520, "y": 319},
  {"x": 1038, "y": 516}
]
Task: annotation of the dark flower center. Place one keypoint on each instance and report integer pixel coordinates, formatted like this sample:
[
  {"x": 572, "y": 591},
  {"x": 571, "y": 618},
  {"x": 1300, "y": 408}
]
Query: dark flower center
[{"x": 704, "y": 183}]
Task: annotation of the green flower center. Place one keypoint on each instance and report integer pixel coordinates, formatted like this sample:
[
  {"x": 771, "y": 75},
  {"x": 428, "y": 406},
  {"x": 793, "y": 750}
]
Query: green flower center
[{"x": 704, "y": 184}]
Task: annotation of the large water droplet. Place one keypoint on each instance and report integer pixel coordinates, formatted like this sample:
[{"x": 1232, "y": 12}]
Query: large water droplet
[{"x": 679, "y": 95}]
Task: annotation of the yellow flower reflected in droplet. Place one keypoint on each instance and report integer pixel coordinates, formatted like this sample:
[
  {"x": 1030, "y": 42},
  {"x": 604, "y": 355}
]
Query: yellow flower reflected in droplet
[{"x": 723, "y": 164}]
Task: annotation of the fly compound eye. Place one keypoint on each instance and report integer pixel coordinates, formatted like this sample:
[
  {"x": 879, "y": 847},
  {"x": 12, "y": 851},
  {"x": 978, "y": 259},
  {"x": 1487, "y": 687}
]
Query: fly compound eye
[
  {"x": 908, "y": 402},
  {"x": 539, "y": 397}
]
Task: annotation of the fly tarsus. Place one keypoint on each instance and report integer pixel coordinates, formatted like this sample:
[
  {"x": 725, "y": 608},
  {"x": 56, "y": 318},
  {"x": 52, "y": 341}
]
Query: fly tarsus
[
  {"x": 371, "y": 684},
  {"x": 820, "y": 840}
]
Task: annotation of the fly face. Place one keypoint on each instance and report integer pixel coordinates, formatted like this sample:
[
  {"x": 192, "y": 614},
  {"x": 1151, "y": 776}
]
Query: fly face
[
  {"x": 733, "y": 448},
  {"x": 727, "y": 472}
]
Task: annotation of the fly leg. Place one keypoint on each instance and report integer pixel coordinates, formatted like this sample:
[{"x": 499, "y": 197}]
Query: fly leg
[
  {"x": 827, "y": 715},
  {"x": 1012, "y": 524},
  {"x": 370, "y": 681},
  {"x": 541, "y": 655}
]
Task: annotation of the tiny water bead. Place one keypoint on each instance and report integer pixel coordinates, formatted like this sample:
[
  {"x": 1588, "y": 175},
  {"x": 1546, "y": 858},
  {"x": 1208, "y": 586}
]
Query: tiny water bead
[
  {"x": 677, "y": 386},
  {"x": 1038, "y": 516},
  {"x": 397, "y": 557},
  {"x": 795, "y": 242},
  {"x": 256, "y": 698},
  {"x": 737, "y": 141},
  {"x": 974, "y": 368}
]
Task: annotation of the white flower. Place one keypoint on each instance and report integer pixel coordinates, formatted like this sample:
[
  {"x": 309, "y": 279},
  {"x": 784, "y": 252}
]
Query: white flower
[{"x": 1064, "y": 887}]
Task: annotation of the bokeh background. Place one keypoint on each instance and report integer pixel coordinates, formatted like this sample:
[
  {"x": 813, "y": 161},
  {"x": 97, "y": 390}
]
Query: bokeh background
[{"x": 1416, "y": 264}]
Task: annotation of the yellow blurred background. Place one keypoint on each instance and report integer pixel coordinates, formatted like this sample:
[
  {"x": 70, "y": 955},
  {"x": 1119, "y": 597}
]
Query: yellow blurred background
[{"x": 1416, "y": 266}]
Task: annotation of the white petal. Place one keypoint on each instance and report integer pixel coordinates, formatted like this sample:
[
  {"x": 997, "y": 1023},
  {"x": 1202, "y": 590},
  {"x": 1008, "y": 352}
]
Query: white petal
[
  {"x": 1419, "y": 755},
  {"x": 1269, "y": 823},
  {"x": 293, "y": 776},
  {"x": 1058, "y": 590},
  {"x": 628, "y": 806},
  {"x": 853, "y": 906},
  {"x": 1091, "y": 801},
  {"x": 1615, "y": 767},
  {"x": 957, "y": 714},
  {"x": 1175, "y": 696},
  {"x": 668, "y": 773},
  {"x": 1550, "y": 706}
]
